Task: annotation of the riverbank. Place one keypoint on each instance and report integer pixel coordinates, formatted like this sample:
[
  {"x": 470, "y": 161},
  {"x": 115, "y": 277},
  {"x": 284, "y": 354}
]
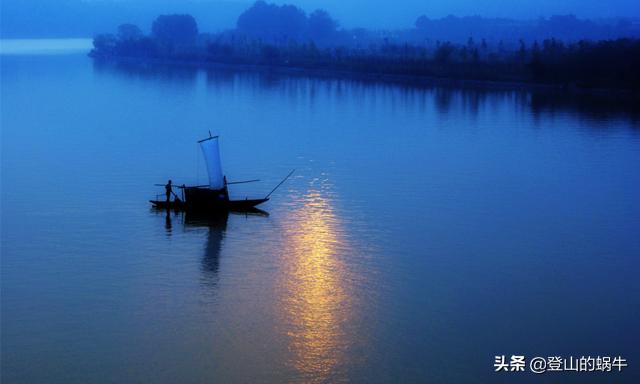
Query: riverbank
[
  {"x": 603, "y": 65},
  {"x": 625, "y": 96},
  {"x": 584, "y": 64}
]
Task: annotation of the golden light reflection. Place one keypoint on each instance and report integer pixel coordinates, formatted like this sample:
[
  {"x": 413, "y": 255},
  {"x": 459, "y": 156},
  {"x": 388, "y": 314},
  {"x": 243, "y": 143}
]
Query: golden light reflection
[{"x": 315, "y": 300}]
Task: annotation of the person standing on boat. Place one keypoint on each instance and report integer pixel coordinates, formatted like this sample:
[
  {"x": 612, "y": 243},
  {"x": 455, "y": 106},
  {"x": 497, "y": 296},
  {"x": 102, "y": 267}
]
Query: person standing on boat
[{"x": 168, "y": 190}]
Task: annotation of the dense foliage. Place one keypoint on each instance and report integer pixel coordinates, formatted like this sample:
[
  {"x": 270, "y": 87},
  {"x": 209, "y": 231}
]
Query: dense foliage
[{"x": 175, "y": 30}]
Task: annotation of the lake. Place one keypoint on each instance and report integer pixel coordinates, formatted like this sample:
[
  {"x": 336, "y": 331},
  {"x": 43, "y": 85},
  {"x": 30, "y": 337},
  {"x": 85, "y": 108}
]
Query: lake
[{"x": 425, "y": 231}]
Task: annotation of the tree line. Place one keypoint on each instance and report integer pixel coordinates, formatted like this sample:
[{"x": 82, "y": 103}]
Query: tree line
[{"x": 268, "y": 34}]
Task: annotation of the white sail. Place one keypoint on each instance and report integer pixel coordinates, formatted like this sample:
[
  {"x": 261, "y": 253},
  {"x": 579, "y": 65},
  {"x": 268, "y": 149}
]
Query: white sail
[{"x": 211, "y": 153}]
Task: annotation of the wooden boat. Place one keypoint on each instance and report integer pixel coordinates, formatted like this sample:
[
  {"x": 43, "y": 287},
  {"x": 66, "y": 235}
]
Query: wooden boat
[
  {"x": 213, "y": 197},
  {"x": 230, "y": 205}
]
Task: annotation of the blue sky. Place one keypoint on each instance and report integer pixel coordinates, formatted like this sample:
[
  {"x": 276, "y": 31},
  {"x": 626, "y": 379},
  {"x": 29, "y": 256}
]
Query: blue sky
[
  {"x": 350, "y": 13},
  {"x": 402, "y": 13}
]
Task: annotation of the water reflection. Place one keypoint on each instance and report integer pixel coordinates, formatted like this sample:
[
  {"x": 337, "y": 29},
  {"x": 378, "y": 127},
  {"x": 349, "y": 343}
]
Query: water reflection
[
  {"x": 587, "y": 106},
  {"x": 443, "y": 96},
  {"x": 167, "y": 223},
  {"x": 216, "y": 225},
  {"x": 183, "y": 75},
  {"x": 316, "y": 301}
]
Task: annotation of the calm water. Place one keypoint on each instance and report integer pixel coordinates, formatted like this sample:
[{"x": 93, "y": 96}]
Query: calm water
[{"x": 425, "y": 231}]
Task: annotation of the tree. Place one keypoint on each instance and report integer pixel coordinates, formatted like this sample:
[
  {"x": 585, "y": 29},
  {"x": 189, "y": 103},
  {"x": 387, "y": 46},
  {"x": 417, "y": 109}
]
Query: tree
[
  {"x": 470, "y": 42},
  {"x": 321, "y": 25},
  {"x": 104, "y": 44},
  {"x": 422, "y": 22},
  {"x": 272, "y": 22},
  {"x": 129, "y": 32},
  {"x": 522, "y": 51},
  {"x": 175, "y": 30},
  {"x": 443, "y": 52}
]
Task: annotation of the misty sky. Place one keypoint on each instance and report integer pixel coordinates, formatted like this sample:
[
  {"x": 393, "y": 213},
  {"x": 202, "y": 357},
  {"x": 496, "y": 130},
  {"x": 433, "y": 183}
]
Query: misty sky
[
  {"x": 399, "y": 13},
  {"x": 49, "y": 17}
]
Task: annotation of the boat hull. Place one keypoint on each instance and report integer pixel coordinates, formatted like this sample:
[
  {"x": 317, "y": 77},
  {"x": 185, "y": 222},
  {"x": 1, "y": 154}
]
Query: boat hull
[{"x": 215, "y": 206}]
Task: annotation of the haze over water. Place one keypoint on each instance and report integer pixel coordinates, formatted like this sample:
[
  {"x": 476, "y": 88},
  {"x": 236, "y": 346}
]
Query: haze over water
[{"x": 425, "y": 230}]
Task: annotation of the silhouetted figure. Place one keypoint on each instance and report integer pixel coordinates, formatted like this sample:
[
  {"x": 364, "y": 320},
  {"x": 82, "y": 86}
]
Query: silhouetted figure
[{"x": 168, "y": 191}]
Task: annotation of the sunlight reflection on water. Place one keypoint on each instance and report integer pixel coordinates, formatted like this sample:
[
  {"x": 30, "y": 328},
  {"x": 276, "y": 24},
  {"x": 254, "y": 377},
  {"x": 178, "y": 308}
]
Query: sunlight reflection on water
[{"x": 315, "y": 298}]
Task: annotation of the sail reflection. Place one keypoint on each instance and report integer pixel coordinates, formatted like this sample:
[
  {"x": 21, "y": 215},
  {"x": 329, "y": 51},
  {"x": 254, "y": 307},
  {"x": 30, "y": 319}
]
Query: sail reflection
[{"x": 315, "y": 302}]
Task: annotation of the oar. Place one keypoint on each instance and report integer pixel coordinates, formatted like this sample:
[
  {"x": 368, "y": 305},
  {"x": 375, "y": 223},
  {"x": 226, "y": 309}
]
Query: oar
[
  {"x": 279, "y": 184},
  {"x": 242, "y": 182}
]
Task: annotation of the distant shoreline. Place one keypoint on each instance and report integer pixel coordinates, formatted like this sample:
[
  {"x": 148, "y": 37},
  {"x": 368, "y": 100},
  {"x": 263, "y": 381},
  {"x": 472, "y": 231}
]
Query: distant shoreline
[
  {"x": 406, "y": 79},
  {"x": 286, "y": 38}
]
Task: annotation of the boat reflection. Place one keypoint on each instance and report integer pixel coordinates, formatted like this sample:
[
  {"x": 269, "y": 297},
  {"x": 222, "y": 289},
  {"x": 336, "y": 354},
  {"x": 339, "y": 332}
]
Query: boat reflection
[
  {"x": 315, "y": 301},
  {"x": 217, "y": 227}
]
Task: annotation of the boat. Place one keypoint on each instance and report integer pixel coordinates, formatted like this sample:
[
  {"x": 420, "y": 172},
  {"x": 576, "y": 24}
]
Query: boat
[
  {"x": 229, "y": 205},
  {"x": 213, "y": 197}
]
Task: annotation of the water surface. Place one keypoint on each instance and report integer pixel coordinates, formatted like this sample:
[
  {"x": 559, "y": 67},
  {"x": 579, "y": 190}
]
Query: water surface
[{"x": 424, "y": 231}]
